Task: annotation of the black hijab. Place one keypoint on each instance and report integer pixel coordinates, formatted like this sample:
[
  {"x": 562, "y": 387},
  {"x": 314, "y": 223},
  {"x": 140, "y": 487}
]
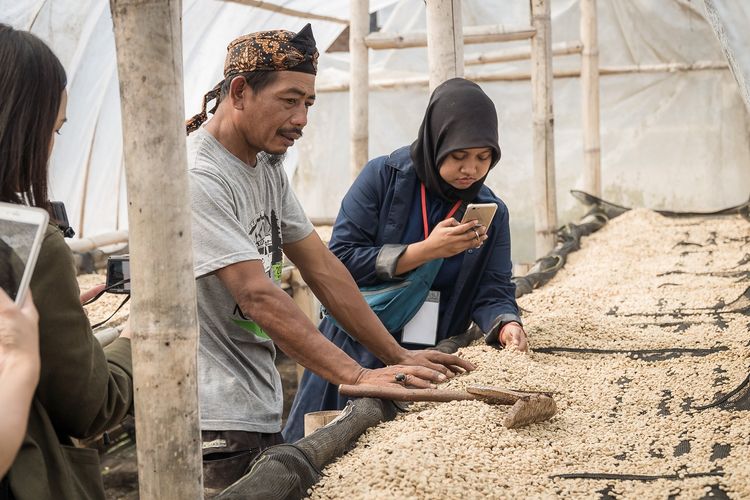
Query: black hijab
[{"x": 459, "y": 116}]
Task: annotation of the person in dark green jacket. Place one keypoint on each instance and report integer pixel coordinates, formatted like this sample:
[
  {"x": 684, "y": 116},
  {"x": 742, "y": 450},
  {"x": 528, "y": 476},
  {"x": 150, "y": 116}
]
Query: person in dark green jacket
[{"x": 83, "y": 389}]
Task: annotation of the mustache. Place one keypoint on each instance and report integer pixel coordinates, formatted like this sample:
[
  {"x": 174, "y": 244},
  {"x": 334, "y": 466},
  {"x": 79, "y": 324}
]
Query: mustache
[{"x": 292, "y": 130}]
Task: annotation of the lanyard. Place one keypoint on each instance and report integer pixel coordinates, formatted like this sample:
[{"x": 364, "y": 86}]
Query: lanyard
[{"x": 424, "y": 211}]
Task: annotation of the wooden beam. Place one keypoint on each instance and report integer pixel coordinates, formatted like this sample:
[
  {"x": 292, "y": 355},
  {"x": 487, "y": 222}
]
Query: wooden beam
[
  {"x": 323, "y": 221},
  {"x": 260, "y": 4},
  {"x": 543, "y": 141},
  {"x": 592, "y": 175},
  {"x": 81, "y": 245},
  {"x": 306, "y": 301},
  {"x": 520, "y": 54},
  {"x": 445, "y": 43},
  {"x": 359, "y": 95},
  {"x": 505, "y": 76},
  {"x": 163, "y": 316},
  {"x": 663, "y": 67},
  {"x": 471, "y": 34}
]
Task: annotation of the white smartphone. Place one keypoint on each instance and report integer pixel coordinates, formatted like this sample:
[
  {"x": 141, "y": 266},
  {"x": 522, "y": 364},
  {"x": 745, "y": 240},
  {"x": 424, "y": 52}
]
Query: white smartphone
[
  {"x": 21, "y": 232},
  {"x": 483, "y": 212}
]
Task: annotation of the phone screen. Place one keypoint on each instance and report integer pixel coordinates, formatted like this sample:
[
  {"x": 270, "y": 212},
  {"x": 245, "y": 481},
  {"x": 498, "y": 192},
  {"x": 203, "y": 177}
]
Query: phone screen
[{"x": 16, "y": 243}]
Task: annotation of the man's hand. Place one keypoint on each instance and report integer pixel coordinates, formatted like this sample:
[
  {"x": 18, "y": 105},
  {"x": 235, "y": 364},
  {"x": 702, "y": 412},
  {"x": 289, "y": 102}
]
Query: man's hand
[
  {"x": 512, "y": 335},
  {"x": 415, "y": 376},
  {"x": 446, "y": 364}
]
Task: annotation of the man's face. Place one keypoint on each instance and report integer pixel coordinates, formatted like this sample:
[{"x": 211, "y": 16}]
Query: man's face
[{"x": 273, "y": 119}]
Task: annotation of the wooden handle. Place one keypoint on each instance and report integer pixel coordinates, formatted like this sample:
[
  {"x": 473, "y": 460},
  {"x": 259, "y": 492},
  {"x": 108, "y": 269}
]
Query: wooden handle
[
  {"x": 403, "y": 394},
  {"x": 496, "y": 394}
]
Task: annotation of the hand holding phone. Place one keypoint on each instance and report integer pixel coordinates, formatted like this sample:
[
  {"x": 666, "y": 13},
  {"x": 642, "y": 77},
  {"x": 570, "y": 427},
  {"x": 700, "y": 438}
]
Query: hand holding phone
[
  {"x": 21, "y": 232},
  {"x": 451, "y": 237}
]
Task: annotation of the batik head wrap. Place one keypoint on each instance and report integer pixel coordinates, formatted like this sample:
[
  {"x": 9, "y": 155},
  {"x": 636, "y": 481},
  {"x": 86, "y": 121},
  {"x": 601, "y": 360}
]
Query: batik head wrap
[
  {"x": 275, "y": 50},
  {"x": 459, "y": 116}
]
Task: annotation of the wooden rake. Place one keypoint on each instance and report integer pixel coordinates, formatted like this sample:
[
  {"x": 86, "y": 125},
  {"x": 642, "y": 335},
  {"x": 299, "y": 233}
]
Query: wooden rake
[{"x": 528, "y": 407}]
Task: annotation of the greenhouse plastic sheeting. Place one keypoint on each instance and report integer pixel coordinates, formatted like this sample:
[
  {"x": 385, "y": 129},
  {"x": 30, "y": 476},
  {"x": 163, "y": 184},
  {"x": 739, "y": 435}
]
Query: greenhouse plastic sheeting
[
  {"x": 87, "y": 166},
  {"x": 670, "y": 140}
]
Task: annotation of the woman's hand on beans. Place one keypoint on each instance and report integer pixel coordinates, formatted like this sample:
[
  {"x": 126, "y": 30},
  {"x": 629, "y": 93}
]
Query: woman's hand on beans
[
  {"x": 513, "y": 335},
  {"x": 451, "y": 237}
]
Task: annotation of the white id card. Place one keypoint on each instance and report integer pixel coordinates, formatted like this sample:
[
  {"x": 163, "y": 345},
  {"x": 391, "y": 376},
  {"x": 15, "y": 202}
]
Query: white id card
[{"x": 422, "y": 329}]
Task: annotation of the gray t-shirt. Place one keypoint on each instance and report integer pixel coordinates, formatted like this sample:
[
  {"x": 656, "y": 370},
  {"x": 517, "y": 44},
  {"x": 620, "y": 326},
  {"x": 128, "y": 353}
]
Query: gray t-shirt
[{"x": 240, "y": 213}]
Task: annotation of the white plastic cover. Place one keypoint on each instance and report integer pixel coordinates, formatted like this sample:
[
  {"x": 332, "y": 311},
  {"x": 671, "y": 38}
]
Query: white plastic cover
[
  {"x": 733, "y": 39},
  {"x": 674, "y": 140}
]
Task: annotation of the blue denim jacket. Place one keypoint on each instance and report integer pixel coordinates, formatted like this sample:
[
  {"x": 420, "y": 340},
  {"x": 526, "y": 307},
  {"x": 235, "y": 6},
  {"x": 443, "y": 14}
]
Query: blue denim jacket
[{"x": 367, "y": 238}]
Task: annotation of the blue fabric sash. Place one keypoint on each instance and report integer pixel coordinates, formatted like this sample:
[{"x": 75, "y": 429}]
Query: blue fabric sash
[{"x": 396, "y": 303}]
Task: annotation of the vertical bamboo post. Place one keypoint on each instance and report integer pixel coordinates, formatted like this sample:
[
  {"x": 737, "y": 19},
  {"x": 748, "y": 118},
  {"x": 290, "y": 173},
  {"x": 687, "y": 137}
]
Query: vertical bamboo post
[
  {"x": 163, "y": 316},
  {"x": 359, "y": 28},
  {"x": 445, "y": 40},
  {"x": 592, "y": 179},
  {"x": 307, "y": 302},
  {"x": 545, "y": 204}
]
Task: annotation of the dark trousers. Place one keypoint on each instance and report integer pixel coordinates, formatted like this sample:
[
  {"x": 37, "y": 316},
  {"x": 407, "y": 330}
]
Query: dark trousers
[{"x": 227, "y": 456}]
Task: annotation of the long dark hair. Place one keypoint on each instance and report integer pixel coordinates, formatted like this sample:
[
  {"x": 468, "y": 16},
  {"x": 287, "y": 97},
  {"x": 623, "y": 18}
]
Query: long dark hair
[{"x": 31, "y": 84}]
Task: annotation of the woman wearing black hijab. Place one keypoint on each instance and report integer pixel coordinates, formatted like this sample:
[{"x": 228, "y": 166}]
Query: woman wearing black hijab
[{"x": 403, "y": 211}]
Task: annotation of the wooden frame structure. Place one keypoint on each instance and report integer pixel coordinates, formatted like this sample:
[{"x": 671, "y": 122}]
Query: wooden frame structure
[{"x": 543, "y": 135}]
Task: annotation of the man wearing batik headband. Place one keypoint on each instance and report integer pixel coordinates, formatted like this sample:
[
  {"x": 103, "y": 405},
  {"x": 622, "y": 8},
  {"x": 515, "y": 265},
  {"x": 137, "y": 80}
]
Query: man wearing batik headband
[{"x": 245, "y": 217}]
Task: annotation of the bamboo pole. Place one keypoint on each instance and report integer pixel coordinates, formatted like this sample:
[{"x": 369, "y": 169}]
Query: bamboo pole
[
  {"x": 359, "y": 95},
  {"x": 163, "y": 315},
  {"x": 317, "y": 419},
  {"x": 472, "y": 34},
  {"x": 592, "y": 174},
  {"x": 81, "y": 245},
  {"x": 504, "y": 76},
  {"x": 323, "y": 221},
  {"x": 520, "y": 54},
  {"x": 304, "y": 297},
  {"x": 545, "y": 202},
  {"x": 663, "y": 67},
  {"x": 307, "y": 302},
  {"x": 445, "y": 43},
  {"x": 260, "y": 4}
]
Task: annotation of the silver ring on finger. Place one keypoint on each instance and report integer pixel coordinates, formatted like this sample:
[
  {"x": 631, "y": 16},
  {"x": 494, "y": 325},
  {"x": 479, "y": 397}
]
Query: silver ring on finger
[
  {"x": 400, "y": 378},
  {"x": 479, "y": 240}
]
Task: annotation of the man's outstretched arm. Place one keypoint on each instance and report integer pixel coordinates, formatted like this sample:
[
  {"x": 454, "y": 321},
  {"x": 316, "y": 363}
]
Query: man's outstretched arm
[
  {"x": 271, "y": 308},
  {"x": 331, "y": 282}
]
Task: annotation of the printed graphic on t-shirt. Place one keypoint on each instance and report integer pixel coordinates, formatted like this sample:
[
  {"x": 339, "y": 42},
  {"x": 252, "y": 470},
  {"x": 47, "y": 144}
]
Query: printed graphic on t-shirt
[{"x": 265, "y": 232}]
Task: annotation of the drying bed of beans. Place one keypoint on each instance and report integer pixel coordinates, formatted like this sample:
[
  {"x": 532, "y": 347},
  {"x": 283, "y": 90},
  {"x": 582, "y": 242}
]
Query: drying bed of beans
[{"x": 646, "y": 323}]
